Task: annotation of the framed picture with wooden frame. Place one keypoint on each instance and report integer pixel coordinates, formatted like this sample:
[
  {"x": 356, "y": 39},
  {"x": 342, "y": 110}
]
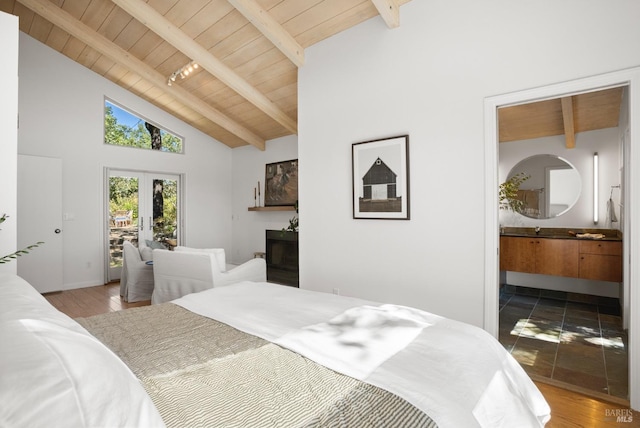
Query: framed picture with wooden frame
[
  {"x": 281, "y": 183},
  {"x": 381, "y": 179}
]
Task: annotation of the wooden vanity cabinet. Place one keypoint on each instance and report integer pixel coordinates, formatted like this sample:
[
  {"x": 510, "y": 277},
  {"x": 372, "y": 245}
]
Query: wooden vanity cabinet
[
  {"x": 557, "y": 257},
  {"x": 517, "y": 254},
  {"x": 597, "y": 260},
  {"x": 539, "y": 255},
  {"x": 601, "y": 260}
]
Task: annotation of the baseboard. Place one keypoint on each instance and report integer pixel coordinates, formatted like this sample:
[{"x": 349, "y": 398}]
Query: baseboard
[
  {"x": 580, "y": 390},
  {"x": 83, "y": 284}
]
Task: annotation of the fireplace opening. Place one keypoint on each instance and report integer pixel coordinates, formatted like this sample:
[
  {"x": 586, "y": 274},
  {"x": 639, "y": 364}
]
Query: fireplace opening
[{"x": 282, "y": 257}]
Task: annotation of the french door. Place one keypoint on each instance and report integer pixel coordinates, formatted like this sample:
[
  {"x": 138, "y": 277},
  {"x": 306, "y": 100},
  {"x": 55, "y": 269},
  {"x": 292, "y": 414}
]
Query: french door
[{"x": 140, "y": 207}]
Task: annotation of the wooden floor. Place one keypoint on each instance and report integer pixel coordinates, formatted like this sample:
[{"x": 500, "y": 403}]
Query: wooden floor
[
  {"x": 568, "y": 408},
  {"x": 86, "y": 302}
]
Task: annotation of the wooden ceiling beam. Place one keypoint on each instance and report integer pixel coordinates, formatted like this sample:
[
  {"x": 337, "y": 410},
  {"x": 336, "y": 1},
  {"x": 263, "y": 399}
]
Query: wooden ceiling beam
[
  {"x": 157, "y": 23},
  {"x": 77, "y": 29},
  {"x": 271, "y": 29},
  {"x": 389, "y": 11},
  {"x": 569, "y": 127}
]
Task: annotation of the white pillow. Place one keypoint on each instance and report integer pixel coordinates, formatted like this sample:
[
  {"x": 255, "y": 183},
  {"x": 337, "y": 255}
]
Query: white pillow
[
  {"x": 218, "y": 252},
  {"x": 54, "y": 373},
  {"x": 146, "y": 253}
]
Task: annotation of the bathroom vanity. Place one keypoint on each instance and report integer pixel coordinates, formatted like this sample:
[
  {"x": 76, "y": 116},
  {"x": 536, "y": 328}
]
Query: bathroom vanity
[{"x": 559, "y": 252}]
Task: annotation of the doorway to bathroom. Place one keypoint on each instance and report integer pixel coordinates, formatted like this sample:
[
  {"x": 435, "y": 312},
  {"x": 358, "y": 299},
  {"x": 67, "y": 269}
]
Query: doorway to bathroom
[
  {"x": 593, "y": 319},
  {"x": 560, "y": 310}
]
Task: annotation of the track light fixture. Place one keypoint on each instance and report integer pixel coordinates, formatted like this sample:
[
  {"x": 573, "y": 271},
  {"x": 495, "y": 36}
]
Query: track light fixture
[{"x": 182, "y": 72}]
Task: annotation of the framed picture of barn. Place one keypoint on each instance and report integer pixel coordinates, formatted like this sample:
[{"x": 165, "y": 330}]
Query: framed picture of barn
[
  {"x": 381, "y": 179},
  {"x": 281, "y": 183}
]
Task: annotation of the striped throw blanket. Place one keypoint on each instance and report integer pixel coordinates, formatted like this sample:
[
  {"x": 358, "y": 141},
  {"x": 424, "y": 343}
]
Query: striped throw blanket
[{"x": 200, "y": 372}]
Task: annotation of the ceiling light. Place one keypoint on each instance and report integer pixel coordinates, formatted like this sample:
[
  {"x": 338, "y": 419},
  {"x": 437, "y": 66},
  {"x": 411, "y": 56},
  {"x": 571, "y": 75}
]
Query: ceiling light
[{"x": 183, "y": 72}]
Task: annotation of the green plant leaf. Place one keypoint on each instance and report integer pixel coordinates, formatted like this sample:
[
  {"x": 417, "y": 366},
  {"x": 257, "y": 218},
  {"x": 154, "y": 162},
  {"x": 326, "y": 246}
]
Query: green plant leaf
[
  {"x": 10, "y": 257},
  {"x": 508, "y": 192}
]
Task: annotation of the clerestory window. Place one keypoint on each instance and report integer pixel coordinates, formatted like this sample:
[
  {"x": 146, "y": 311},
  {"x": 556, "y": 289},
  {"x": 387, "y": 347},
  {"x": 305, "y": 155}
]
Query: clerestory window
[{"x": 123, "y": 128}]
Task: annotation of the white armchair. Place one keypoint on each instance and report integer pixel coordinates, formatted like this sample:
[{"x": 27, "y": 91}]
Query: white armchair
[
  {"x": 136, "y": 279},
  {"x": 190, "y": 270}
]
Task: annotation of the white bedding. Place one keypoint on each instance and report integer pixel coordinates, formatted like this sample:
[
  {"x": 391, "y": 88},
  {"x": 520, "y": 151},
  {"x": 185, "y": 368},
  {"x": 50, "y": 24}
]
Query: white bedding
[
  {"x": 53, "y": 373},
  {"x": 360, "y": 339},
  {"x": 456, "y": 373}
]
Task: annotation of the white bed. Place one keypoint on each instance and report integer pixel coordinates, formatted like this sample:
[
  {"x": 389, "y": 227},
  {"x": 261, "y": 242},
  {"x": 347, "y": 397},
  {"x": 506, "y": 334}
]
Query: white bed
[{"x": 458, "y": 375}]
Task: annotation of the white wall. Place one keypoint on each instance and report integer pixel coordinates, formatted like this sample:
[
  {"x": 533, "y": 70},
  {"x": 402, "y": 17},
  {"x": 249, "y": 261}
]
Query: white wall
[
  {"x": 428, "y": 79},
  {"x": 604, "y": 141},
  {"x": 249, "y": 168},
  {"x": 61, "y": 115},
  {"x": 9, "y": 141}
]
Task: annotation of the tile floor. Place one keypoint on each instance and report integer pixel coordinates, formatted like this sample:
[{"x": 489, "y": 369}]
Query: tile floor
[{"x": 572, "y": 338}]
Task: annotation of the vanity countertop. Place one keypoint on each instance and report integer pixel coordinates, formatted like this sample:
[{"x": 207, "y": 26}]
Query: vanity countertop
[{"x": 561, "y": 233}]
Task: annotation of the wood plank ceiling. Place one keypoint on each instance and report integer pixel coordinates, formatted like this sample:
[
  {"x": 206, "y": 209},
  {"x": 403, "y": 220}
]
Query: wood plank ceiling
[
  {"x": 248, "y": 51},
  {"x": 561, "y": 116}
]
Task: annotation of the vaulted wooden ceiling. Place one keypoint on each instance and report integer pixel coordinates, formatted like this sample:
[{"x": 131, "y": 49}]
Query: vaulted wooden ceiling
[
  {"x": 248, "y": 51},
  {"x": 561, "y": 116}
]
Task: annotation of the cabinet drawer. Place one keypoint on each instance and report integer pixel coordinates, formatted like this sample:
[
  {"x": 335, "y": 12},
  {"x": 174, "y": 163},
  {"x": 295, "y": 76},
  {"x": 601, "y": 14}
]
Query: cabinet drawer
[
  {"x": 601, "y": 267},
  {"x": 611, "y": 248}
]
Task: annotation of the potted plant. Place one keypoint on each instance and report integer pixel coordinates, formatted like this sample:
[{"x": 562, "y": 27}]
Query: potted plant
[
  {"x": 293, "y": 223},
  {"x": 508, "y": 193}
]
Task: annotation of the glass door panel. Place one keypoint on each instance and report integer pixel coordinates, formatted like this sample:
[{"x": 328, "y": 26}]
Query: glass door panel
[
  {"x": 142, "y": 207},
  {"x": 123, "y": 211},
  {"x": 164, "y": 218}
]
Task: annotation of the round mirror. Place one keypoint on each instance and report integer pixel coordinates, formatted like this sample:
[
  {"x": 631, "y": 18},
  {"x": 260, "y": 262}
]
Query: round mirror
[{"x": 551, "y": 189}]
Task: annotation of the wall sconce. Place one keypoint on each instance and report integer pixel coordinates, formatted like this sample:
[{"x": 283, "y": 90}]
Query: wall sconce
[{"x": 595, "y": 188}]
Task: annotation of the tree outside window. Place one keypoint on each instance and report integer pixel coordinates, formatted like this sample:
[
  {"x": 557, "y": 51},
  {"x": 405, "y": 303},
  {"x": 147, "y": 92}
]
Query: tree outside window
[{"x": 122, "y": 128}]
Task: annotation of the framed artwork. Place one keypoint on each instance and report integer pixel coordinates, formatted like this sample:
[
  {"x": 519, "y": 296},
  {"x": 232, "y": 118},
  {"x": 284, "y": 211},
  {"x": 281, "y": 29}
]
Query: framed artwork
[
  {"x": 281, "y": 183},
  {"x": 381, "y": 179}
]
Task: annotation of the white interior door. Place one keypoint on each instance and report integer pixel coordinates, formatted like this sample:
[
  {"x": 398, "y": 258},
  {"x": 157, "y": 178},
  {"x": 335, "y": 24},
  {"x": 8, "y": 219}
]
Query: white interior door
[{"x": 40, "y": 219}]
